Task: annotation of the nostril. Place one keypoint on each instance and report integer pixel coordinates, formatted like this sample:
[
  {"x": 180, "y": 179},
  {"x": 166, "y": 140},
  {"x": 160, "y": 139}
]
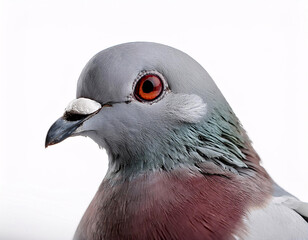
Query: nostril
[{"x": 71, "y": 117}]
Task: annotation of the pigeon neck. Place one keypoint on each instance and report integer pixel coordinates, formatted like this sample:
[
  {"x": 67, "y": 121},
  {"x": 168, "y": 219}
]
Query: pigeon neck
[{"x": 218, "y": 140}]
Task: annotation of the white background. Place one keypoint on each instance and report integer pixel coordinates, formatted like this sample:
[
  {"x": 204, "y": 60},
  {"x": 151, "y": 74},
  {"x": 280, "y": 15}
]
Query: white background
[{"x": 256, "y": 51}]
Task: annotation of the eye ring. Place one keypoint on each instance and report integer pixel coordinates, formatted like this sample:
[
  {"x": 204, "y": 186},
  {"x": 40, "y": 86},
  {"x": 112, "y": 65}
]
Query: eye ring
[{"x": 149, "y": 86}]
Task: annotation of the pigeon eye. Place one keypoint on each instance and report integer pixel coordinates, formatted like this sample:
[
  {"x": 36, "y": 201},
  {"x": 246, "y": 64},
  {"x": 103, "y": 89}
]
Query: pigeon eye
[{"x": 148, "y": 88}]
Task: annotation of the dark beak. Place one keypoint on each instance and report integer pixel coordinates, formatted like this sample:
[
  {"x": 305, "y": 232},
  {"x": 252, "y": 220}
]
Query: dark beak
[{"x": 65, "y": 127}]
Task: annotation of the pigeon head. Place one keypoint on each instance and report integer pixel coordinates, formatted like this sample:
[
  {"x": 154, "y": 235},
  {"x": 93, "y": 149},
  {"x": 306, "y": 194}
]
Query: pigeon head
[{"x": 152, "y": 107}]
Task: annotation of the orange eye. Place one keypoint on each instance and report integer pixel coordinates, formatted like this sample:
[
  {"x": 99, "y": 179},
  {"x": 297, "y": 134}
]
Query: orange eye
[{"x": 148, "y": 88}]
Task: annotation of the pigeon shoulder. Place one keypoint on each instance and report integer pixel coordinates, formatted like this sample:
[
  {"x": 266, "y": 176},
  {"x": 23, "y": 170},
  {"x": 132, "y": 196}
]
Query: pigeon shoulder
[{"x": 284, "y": 217}]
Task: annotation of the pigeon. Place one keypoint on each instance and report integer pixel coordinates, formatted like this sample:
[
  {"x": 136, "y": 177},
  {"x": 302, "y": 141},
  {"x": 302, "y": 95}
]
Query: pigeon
[{"x": 181, "y": 166}]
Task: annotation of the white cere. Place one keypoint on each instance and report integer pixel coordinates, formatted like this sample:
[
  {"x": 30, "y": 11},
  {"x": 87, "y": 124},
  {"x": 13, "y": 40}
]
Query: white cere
[{"x": 83, "y": 106}]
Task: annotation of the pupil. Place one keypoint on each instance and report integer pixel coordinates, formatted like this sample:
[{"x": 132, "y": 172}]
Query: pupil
[{"x": 147, "y": 87}]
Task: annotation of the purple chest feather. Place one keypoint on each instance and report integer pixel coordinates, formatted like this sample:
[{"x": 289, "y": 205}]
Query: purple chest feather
[{"x": 177, "y": 205}]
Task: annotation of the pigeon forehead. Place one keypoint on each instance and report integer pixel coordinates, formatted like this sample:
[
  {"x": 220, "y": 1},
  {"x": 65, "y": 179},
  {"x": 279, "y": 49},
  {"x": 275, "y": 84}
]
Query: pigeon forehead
[{"x": 110, "y": 74}]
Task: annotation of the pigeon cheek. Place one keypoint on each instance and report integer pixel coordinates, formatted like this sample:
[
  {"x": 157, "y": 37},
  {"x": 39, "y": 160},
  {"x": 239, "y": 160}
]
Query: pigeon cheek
[{"x": 120, "y": 123}]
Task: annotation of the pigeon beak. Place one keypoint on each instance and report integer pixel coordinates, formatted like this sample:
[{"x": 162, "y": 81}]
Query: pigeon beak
[{"x": 77, "y": 112}]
